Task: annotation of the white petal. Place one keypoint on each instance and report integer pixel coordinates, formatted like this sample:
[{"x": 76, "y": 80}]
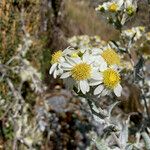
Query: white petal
[
  {"x": 55, "y": 74},
  {"x": 70, "y": 61},
  {"x": 97, "y": 76},
  {"x": 73, "y": 61},
  {"x": 87, "y": 58},
  {"x": 52, "y": 68},
  {"x": 104, "y": 92},
  {"x": 118, "y": 90},
  {"x": 84, "y": 86},
  {"x": 94, "y": 82},
  {"x": 114, "y": 67},
  {"x": 103, "y": 66},
  {"x": 98, "y": 90},
  {"x": 87, "y": 88},
  {"x": 120, "y": 2},
  {"x": 66, "y": 65},
  {"x": 96, "y": 51},
  {"x": 65, "y": 75},
  {"x": 61, "y": 59},
  {"x": 68, "y": 50}
]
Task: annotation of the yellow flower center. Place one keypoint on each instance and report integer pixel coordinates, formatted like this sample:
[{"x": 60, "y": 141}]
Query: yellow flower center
[
  {"x": 113, "y": 7},
  {"x": 130, "y": 11},
  {"x": 81, "y": 71},
  {"x": 56, "y": 56},
  {"x": 110, "y": 78},
  {"x": 111, "y": 57},
  {"x": 142, "y": 28},
  {"x": 74, "y": 55}
]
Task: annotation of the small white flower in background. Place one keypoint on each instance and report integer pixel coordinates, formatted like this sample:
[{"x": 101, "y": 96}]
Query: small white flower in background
[
  {"x": 73, "y": 41},
  {"x": 130, "y": 7},
  {"x": 137, "y": 32},
  {"x": 86, "y": 42},
  {"x": 25, "y": 75},
  {"x": 118, "y": 12},
  {"x": 113, "y": 6}
]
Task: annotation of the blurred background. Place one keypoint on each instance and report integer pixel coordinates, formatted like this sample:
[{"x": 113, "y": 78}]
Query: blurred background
[{"x": 36, "y": 111}]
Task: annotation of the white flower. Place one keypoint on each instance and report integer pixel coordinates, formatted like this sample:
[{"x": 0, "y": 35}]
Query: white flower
[
  {"x": 137, "y": 32},
  {"x": 113, "y": 6},
  {"x": 130, "y": 7},
  {"x": 99, "y": 62},
  {"x": 109, "y": 81},
  {"x": 108, "y": 55},
  {"x": 57, "y": 59},
  {"x": 79, "y": 69}
]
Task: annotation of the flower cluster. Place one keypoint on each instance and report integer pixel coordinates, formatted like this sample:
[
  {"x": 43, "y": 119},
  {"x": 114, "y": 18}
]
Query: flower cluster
[
  {"x": 86, "y": 42},
  {"x": 93, "y": 70},
  {"x": 135, "y": 32},
  {"x": 118, "y": 11}
]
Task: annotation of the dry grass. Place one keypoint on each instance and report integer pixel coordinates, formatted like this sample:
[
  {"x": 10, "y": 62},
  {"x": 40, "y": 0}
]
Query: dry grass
[{"x": 84, "y": 20}]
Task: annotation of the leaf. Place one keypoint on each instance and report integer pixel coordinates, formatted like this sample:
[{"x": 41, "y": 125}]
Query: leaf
[
  {"x": 123, "y": 137},
  {"x": 129, "y": 147},
  {"x": 146, "y": 139}
]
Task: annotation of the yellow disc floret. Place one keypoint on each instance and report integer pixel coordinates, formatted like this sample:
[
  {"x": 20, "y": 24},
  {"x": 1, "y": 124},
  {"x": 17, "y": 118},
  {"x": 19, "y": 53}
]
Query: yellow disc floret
[
  {"x": 111, "y": 57},
  {"x": 130, "y": 10},
  {"x": 74, "y": 55},
  {"x": 56, "y": 56},
  {"x": 113, "y": 7},
  {"x": 111, "y": 78},
  {"x": 81, "y": 71}
]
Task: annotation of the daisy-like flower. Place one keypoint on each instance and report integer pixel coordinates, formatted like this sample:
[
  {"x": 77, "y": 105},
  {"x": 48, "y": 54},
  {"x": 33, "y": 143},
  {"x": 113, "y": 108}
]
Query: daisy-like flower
[
  {"x": 57, "y": 59},
  {"x": 109, "y": 81},
  {"x": 99, "y": 62},
  {"x": 130, "y": 7},
  {"x": 108, "y": 54},
  {"x": 137, "y": 32},
  {"x": 113, "y": 6},
  {"x": 80, "y": 70}
]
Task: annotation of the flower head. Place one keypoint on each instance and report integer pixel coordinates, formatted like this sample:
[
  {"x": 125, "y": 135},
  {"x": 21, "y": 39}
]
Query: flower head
[
  {"x": 56, "y": 56},
  {"x": 81, "y": 71},
  {"x": 113, "y": 7},
  {"x": 110, "y": 56},
  {"x": 57, "y": 59},
  {"x": 130, "y": 7},
  {"x": 136, "y": 32},
  {"x": 109, "y": 80},
  {"x": 130, "y": 10}
]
